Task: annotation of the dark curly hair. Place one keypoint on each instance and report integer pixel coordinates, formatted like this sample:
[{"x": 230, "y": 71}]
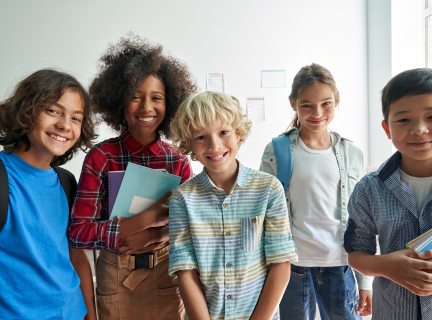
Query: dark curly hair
[
  {"x": 123, "y": 68},
  {"x": 43, "y": 88}
]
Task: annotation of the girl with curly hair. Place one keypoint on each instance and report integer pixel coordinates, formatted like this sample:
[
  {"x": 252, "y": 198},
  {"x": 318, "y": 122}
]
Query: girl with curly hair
[
  {"x": 42, "y": 125},
  {"x": 137, "y": 92}
]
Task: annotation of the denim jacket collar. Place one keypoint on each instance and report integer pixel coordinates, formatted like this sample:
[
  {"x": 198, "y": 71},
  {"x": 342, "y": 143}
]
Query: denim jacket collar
[{"x": 293, "y": 133}]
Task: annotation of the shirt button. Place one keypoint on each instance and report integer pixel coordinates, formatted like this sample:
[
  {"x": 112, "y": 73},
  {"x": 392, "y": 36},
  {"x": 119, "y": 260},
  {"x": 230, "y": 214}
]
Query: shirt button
[
  {"x": 341, "y": 169},
  {"x": 229, "y": 297},
  {"x": 228, "y": 234},
  {"x": 228, "y": 265},
  {"x": 225, "y": 205},
  {"x": 343, "y": 203},
  {"x": 294, "y": 140},
  {"x": 271, "y": 160},
  {"x": 344, "y": 221},
  {"x": 254, "y": 220},
  {"x": 343, "y": 186}
]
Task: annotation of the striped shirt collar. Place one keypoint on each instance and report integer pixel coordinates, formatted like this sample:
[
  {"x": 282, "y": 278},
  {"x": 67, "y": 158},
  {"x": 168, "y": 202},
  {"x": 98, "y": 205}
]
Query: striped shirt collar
[
  {"x": 207, "y": 183},
  {"x": 134, "y": 146}
]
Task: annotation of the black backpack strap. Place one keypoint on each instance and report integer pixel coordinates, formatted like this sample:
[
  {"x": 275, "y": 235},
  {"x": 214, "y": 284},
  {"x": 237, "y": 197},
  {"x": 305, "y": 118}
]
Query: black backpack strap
[
  {"x": 69, "y": 184},
  {"x": 4, "y": 194}
]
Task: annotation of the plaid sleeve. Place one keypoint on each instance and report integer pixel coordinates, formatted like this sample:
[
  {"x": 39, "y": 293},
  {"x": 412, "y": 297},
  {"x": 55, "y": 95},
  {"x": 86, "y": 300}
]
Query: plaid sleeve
[
  {"x": 90, "y": 226},
  {"x": 185, "y": 170},
  {"x": 361, "y": 231},
  {"x": 182, "y": 254},
  {"x": 279, "y": 245}
]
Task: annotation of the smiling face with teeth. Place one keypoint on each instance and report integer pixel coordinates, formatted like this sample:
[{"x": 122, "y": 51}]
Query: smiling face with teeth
[
  {"x": 216, "y": 148},
  {"x": 146, "y": 110},
  {"x": 56, "y": 130}
]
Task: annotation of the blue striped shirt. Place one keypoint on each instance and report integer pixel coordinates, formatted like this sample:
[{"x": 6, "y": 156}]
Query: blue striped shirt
[
  {"x": 383, "y": 205},
  {"x": 230, "y": 239}
]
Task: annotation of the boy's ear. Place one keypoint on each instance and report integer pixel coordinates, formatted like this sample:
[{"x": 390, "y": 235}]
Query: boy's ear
[
  {"x": 386, "y": 128},
  {"x": 293, "y": 104}
]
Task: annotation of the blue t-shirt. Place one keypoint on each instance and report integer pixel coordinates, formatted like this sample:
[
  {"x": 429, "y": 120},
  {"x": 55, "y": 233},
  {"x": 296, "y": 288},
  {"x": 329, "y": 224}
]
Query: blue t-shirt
[{"x": 37, "y": 280}]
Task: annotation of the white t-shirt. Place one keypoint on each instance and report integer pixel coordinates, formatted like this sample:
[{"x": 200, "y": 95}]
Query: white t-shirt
[
  {"x": 315, "y": 206},
  {"x": 420, "y": 188}
]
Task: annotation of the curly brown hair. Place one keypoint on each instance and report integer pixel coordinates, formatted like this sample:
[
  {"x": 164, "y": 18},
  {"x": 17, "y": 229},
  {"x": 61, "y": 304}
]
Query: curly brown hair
[
  {"x": 123, "y": 68},
  {"x": 43, "y": 88}
]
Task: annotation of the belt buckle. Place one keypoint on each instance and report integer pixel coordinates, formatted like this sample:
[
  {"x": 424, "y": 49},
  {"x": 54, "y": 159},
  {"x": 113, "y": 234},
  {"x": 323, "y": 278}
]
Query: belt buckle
[{"x": 144, "y": 260}]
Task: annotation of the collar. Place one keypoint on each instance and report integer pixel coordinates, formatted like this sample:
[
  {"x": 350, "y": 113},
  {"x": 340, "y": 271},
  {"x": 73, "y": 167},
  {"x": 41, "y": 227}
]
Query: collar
[
  {"x": 241, "y": 180},
  {"x": 134, "y": 146},
  {"x": 293, "y": 133},
  {"x": 388, "y": 167}
]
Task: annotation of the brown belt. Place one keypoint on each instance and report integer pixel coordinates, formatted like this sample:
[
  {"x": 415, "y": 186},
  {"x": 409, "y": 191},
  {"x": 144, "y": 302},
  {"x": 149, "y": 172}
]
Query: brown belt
[{"x": 140, "y": 264}]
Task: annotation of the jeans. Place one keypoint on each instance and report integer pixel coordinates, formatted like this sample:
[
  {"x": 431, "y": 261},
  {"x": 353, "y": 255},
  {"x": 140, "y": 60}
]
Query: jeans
[{"x": 332, "y": 288}]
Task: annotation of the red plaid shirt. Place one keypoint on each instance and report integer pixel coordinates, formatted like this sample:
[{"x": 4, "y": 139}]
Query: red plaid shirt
[{"x": 90, "y": 227}]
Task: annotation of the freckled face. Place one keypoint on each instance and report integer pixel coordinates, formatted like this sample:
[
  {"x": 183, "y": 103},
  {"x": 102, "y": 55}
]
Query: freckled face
[{"x": 146, "y": 110}]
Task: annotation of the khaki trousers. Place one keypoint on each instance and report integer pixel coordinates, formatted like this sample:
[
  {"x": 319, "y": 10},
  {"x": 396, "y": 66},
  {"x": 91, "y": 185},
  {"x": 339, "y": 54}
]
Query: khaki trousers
[{"x": 144, "y": 294}]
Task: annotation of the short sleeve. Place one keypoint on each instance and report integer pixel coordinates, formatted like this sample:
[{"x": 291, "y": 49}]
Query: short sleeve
[
  {"x": 279, "y": 246},
  {"x": 361, "y": 231},
  {"x": 182, "y": 254},
  {"x": 268, "y": 160}
]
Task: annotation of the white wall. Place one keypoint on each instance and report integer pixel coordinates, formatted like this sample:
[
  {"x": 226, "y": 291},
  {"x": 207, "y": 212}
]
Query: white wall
[
  {"x": 239, "y": 38},
  {"x": 395, "y": 44}
]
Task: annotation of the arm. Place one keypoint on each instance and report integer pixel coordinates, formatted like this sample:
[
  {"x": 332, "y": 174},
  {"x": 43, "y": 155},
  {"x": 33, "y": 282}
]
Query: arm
[
  {"x": 268, "y": 160},
  {"x": 273, "y": 290},
  {"x": 398, "y": 266},
  {"x": 90, "y": 227},
  {"x": 192, "y": 295},
  {"x": 81, "y": 265}
]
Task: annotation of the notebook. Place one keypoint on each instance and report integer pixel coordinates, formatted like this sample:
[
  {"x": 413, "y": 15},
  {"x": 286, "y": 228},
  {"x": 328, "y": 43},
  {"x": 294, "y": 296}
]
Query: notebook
[
  {"x": 115, "y": 179},
  {"x": 139, "y": 189},
  {"x": 421, "y": 243}
]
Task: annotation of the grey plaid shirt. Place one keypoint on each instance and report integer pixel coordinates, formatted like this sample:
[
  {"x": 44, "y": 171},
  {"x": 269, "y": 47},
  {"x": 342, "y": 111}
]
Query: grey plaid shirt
[{"x": 383, "y": 205}]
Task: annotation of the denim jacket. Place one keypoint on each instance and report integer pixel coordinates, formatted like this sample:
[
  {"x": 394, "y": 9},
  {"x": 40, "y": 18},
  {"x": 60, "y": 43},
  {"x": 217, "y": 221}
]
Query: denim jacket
[{"x": 351, "y": 168}]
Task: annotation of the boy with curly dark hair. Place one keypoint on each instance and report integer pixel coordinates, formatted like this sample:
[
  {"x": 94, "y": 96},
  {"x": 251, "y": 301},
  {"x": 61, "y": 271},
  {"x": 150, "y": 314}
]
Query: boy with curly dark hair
[
  {"x": 137, "y": 92},
  {"x": 42, "y": 125}
]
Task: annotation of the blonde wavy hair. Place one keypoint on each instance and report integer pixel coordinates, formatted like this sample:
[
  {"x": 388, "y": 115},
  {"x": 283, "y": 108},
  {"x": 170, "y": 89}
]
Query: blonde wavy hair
[{"x": 203, "y": 110}]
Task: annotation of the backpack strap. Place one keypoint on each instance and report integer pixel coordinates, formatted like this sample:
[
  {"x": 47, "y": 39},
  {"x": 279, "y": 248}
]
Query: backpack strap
[
  {"x": 284, "y": 159},
  {"x": 69, "y": 184},
  {"x": 4, "y": 194}
]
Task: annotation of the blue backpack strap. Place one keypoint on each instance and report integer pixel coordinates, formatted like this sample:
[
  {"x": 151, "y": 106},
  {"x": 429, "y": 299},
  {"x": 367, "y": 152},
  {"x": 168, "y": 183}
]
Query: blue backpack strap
[
  {"x": 4, "y": 194},
  {"x": 284, "y": 159}
]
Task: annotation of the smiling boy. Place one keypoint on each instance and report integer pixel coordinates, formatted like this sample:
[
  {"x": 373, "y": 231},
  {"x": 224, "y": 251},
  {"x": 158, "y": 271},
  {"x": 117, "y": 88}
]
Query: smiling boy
[
  {"x": 42, "y": 125},
  {"x": 230, "y": 237},
  {"x": 395, "y": 203}
]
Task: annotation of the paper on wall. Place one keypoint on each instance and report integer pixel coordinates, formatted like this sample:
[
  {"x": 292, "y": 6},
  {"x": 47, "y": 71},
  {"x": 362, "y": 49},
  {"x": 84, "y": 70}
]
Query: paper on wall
[
  {"x": 215, "y": 82},
  {"x": 255, "y": 109},
  {"x": 273, "y": 79}
]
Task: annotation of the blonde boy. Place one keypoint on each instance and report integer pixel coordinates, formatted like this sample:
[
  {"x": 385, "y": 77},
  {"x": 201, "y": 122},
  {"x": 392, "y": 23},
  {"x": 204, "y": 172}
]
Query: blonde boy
[{"x": 230, "y": 239}]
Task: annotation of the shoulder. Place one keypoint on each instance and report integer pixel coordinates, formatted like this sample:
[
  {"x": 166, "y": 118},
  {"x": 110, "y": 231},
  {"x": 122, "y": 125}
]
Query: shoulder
[
  {"x": 349, "y": 145},
  {"x": 368, "y": 186},
  {"x": 100, "y": 152},
  {"x": 193, "y": 185},
  {"x": 169, "y": 149},
  {"x": 260, "y": 179}
]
